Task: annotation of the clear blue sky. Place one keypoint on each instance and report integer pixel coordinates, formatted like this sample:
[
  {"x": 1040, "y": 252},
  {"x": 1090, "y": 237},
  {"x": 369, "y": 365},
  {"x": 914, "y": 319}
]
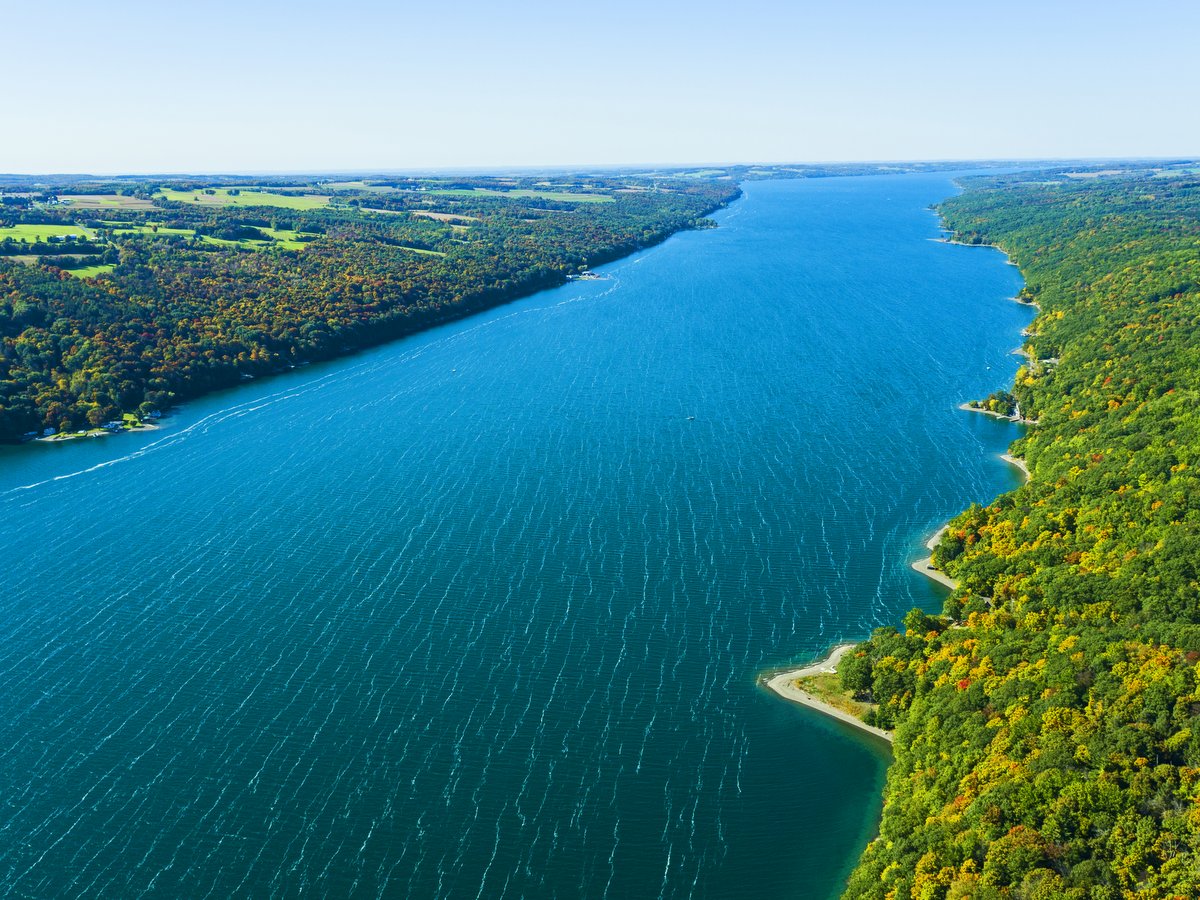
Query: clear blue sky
[{"x": 260, "y": 85}]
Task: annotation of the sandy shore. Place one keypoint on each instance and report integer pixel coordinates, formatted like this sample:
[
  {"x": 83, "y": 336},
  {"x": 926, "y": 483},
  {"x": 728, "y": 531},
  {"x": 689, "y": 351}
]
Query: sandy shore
[
  {"x": 1018, "y": 462},
  {"x": 966, "y": 407},
  {"x": 784, "y": 684},
  {"x": 924, "y": 565}
]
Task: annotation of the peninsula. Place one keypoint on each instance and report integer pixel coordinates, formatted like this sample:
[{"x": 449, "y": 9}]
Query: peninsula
[{"x": 791, "y": 685}]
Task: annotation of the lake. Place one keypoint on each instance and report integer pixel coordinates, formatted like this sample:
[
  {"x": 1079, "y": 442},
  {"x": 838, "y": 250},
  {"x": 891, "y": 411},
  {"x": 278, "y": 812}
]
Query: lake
[{"x": 480, "y": 613}]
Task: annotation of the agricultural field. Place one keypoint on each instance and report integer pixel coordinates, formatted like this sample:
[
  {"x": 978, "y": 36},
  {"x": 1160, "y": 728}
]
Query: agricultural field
[
  {"x": 151, "y": 228},
  {"x": 34, "y": 233},
  {"x": 105, "y": 202},
  {"x": 452, "y": 218},
  {"x": 245, "y": 197},
  {"x": 565, "y": 196},
  {"x": 29, "y": 259},
  {"x": 282, "y": 237},
  {"x": 361, "y": 186}
]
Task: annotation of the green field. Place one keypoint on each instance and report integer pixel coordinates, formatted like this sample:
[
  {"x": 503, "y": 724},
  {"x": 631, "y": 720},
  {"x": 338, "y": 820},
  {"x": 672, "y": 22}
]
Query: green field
[
  {"x": 565, "y": 196},
  {"x": 222, "y": 197},
  {"x": 91, "y": 271},
  {"x": 33, "y": 233},
  {"x": 152, "y": 228},
  {"x": 226, "y": 242},
  {"x": 359, "y": 186},
  {"x": 289, "y": 240}
]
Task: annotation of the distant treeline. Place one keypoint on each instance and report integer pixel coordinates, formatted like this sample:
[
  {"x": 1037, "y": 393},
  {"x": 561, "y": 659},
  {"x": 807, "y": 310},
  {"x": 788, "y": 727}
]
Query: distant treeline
[
  {"x": 201, "y": 297},
  {"x": 1048, "y": 725}
]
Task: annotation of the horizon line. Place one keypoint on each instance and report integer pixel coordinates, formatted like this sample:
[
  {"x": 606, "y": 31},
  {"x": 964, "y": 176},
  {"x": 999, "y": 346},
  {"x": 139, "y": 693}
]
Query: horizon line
[{"x": 490, "y": 169}]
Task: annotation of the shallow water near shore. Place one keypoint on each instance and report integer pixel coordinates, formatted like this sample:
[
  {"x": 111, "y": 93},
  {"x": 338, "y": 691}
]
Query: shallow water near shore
[{"x": 480, "y": 613}]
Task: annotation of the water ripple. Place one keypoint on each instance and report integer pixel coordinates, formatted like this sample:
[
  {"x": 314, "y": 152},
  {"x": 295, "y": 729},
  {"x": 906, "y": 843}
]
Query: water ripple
[{"x": 478, "y": 614}]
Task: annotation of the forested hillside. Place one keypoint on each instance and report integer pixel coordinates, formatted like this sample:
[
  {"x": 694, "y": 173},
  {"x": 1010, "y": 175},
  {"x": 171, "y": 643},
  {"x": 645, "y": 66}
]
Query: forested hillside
[
  {"x": 126, "y": 298},
  {"x": 1048, "y": 726}
]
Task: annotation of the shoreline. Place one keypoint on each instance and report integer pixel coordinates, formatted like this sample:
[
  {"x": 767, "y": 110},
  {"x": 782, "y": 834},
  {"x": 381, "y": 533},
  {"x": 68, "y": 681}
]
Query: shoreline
[
  {"x": 467, "y": 309},
  {"x": 1018, "y": 463},
  {"x": 966, "y": 407},
  {"x": 952, "y": 242},
  {"x": 92, "y": 433},
  {"x": 924, "y": 565},
  {"x": 784, "y": 685}
]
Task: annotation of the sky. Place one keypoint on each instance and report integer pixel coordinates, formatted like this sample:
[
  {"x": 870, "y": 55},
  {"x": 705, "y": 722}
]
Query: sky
[{"x": 128, "y": 86}]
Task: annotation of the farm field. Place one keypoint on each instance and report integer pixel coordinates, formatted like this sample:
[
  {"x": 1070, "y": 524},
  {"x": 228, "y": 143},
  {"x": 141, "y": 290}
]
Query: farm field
[
  {"x": 565, "y": 196},
  {"x": 285, "y": 238},
  {"x": 105, "y": 202},
  {"x": 359, "y": 186},
  {"x": 34, "y": 233},
  {"x": 152, "y": 228},
  {"x": 223, "y": 197},
  {"x": 29, "y": 259},
  {"x": 453, "y": 218}
]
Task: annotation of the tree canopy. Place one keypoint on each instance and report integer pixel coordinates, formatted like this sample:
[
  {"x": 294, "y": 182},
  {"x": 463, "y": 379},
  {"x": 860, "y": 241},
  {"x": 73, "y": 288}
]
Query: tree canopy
[
  {"x": 1047, "y": 730},
  {"x": 198, "y": 295}
]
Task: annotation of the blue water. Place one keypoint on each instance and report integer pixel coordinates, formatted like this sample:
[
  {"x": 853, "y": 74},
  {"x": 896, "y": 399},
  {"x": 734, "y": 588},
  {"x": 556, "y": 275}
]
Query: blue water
[{"x": 480, "y": 613}]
